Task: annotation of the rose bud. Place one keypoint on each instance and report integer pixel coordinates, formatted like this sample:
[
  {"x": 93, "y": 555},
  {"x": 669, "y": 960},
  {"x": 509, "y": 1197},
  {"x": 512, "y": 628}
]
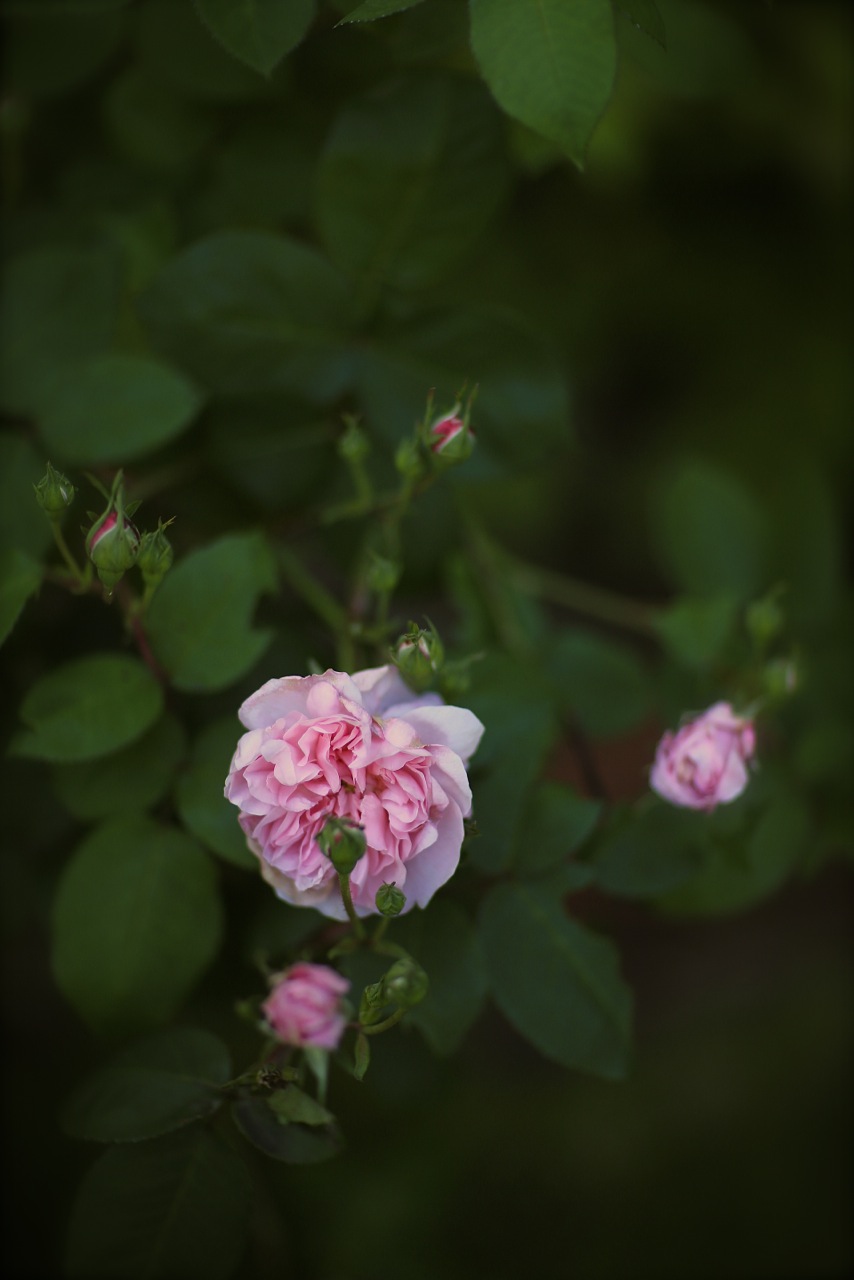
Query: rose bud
[
  {"x": 450, "y": 437},
  {"x": 390, "y": 900},
  {"x": 418, "y": 656},
  {"x": 406, "y": 983},
  {"x": 54, "y": 493},
  {"x": 112, "y": 545},
  {"x": 155, "y": 556},
  {"x": 343, "y": 842},
  {"x": 304, "y": 1006},
  {"x": 705, "y": 763}
]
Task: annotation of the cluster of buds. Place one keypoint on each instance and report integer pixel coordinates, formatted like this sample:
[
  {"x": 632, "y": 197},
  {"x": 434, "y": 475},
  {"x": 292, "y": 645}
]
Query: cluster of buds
[{"x": 418, "y": 656}]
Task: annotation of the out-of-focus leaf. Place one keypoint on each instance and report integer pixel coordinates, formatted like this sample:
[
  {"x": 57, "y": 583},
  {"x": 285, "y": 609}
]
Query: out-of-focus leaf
[
  {"x": 745, "y": 870},
  {"x": 20, "y": 578},
  {"x": 410, "y": 177},
  {"x": 201, "y": 803},
  {"x": 132, "y": 778},
  {"x": 87, "y": 708},
  {"x": 293, "y": 1106},
  {"x": 153, "y": 126},
  {"x": 292, "y": 1143},
  {"x": 177, "y": 1206},
  {"x": 709, "y": 533},
  {"x": 257, "y": 32},
  {"x": 243, "y": 309},
  {"x": 522, "y": 409},
  {"x": 23, "y": 526},
  {"x": 520, "y": 727},
  {"x": 174, "y": 47},
  {"x": 370, "y": 10},
  {"x": 557, "y": 821},
  {"x": 696, "y": 630},
  {"x": 600, "y": 682},
  {"x": 556, "y": 982},
  {"x": 548, "y": 63},
  {"x": 136, "y": 922},
  {"x": 59, "y": 305},
  {"x": 644, "y": 15},
  {"x": 446, "y": 945},
  {"x": 115, "y": 409},
  {"x": 199, "y": 621},
  {"x": 653, "y": 852},
  {"x": 157, "y": 1085}
]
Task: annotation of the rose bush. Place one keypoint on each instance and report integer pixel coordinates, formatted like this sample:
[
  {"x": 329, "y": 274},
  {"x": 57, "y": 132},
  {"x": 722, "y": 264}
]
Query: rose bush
[
  {"x": 362, "y": 748},
  {"x": 304, "y": 1006},
  {"x": 705, "y": 763}
]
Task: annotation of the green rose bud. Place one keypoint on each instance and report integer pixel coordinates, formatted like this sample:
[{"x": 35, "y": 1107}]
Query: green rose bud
[
  {"x": 406, "y": 983},
  {"x": 418, "y": 656},
  {"x": 155, "y": 556},
  {"x": 343, "y": 842},
  {"x": 372, "y": 1003},
  {"x": 112, "y": 545},
  {"x": 54, "y": 493},
  {"x": 353, "y": 445},
  {"x": 390, "y": 900}
]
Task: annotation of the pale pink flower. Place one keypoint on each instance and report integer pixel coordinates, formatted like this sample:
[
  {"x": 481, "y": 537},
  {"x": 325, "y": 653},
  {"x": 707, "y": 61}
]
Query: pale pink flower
[
  {"x": 304, "y": 1006},
  {"x": 705, "y": 763},
  {"x": 361, "y": 747}
]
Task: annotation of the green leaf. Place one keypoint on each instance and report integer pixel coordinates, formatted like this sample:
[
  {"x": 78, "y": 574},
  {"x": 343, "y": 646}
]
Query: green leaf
[
  {"x": 446, "y": 945},
  {"x": 257, "y": 32},
  {"x": 557, "y": 822},
  {"x": 522, "y": 409},
  {"x": 652, "y": 852},
  {"x": 46, "y": 59},
  {"x": 87, "y": 708},
  {"x": 292, "y": 1143},
  {"x": 20, "y": 578},
  {"x": 292, "y": 1105},
  {"x": 645, "y": 16},
  {"x": 115, "y": 409},
  {"x": 59, "y": 305},
  {"x": 23, "y": 526},
  {"x": 136, "y": 922},
  {"x": 742, "y": 872},
  {"x": 199, "y": 622},
  {"x": 174, "y": 47},
  {"x": 550, "y": 64},
  {"x": 201, "y": 803},
  {"x": 153, "y": 125},
  {"x": 709, "y": 533},
  {"x": 697, "y": 630},
  {"x": 54, "y": 8},
  {"x": 244, "y": 308},
  {"x": 370, "y": 10},
  {"x": 134, "y": 778},
  {"x": 600, "y": 682},
  {"x": 177, "y": 1206},
  {"x": 556, "y": 982},
  {"x": 410, "y": 178},
  {"x": 157, "y": 1085},
  {"x": 520, "y": 728},
  {"x": 361, "y": 1056}
]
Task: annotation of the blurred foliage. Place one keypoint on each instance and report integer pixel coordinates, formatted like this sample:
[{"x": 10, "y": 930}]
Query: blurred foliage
[{"x": 226, "y": 227}]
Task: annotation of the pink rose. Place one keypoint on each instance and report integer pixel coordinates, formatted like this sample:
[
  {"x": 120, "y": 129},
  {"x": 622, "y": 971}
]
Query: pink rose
[
  {"x": 705, "y": 763},
  {"x": 360, "y": 747},
  {"x": 304, "y": 1006}
]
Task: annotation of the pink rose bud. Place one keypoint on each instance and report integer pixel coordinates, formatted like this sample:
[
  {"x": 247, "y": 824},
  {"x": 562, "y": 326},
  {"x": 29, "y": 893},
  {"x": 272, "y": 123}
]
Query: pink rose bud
[
  {"x": 112, "y": 545},
  {"x": 705, "y": 763},
  {"x": 450, "y": 437},
  {"x": 304, "y": 1006},
  {"x": 364, "y": 749}
]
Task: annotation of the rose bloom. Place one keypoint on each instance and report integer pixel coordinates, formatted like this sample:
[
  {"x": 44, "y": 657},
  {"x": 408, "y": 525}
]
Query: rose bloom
[
  {"x": 304, "y": 1006},
  {"x": 360, "y": 747},
  {"x": 705, "y": 763}
]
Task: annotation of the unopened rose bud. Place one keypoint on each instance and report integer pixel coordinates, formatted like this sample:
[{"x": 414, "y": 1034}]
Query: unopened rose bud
[
  {"x": 155, "y": 556},
  {"x": 406, "y": 983},
  {"x": 343, "y": 842},
  {"x": 383, "y": 575},
  {"x": 304, "y": 1006},
  {"x": 390, "y": 900},
  {"x": 764, "y": 619},
  {"x": 112, "y": 545},
  {"x": 450, "y": 437},
  {"x": 54, "y": 493},
  {"x": 408, "y": 460},
  {"x": 372, "y": 1003},
  {"x": 780, "y": 678},
  {"x": 418, "y": 656},
  {"x": 354, "y": 444}
]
